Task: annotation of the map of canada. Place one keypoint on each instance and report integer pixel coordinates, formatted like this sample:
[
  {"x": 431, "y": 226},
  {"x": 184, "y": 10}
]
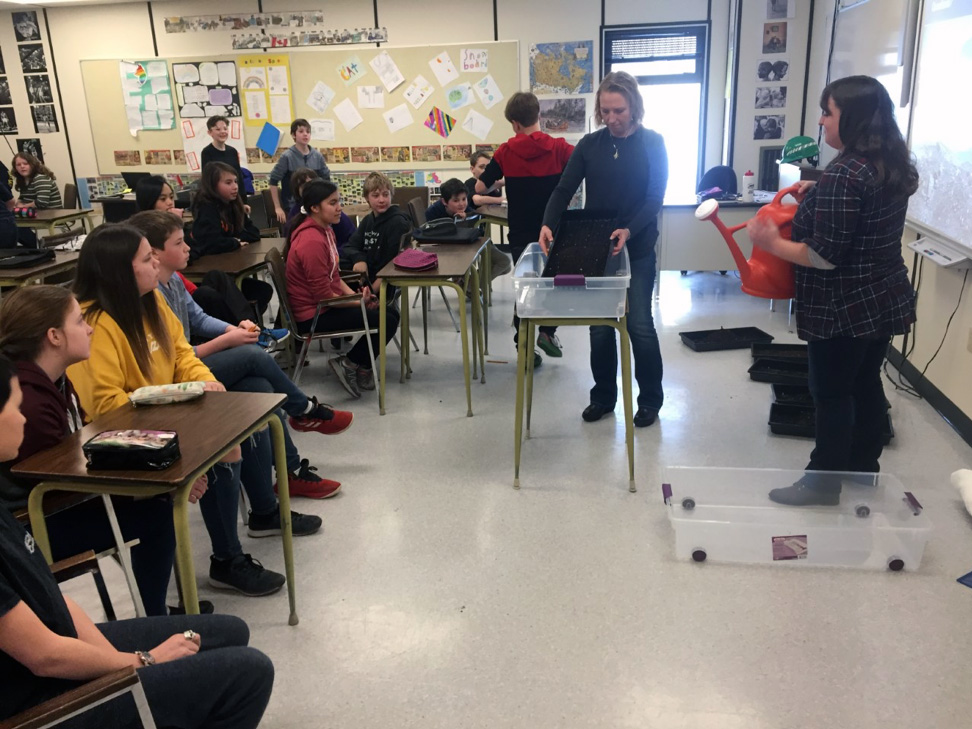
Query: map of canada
[{"x": 562, "y": 68}]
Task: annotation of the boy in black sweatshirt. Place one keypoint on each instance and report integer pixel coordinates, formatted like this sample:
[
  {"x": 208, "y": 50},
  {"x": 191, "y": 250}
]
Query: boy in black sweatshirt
[{"x": 379, "y": 236}]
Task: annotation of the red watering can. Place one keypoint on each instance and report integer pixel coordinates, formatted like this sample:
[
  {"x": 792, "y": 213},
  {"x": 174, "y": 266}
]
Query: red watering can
[{"x": 764, "y": 274}]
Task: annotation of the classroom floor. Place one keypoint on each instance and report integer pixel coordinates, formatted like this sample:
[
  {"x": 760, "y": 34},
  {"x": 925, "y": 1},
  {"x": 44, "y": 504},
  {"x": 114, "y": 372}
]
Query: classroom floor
[{"x": 437, "y": 596}]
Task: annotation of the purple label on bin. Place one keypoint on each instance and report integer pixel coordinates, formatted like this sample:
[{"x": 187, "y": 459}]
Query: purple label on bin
[
  {"x": 913, "y": 503},
  {"x": 666, "y": 491},
  {"x": 569, "y": 279},
  {"x": 792, "y": 547}
]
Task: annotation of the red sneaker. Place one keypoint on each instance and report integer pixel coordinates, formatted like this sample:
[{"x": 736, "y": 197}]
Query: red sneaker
[
  {"x": 322, "y": 419},
  {"x": 308, "y": 484}
]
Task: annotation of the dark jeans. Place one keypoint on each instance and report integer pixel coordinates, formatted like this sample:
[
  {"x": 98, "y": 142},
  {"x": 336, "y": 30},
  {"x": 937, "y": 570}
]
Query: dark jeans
[
  {"x": 845, "y": 381},
  {"x": 226, "y": 685},
  {"x": 345, "y": 318},
  {"x": 219, "y": 297},
  {"x": 86, "y": 526},
  {"x": 644, "y": 345},
  {"x": 516, "y": 251}
]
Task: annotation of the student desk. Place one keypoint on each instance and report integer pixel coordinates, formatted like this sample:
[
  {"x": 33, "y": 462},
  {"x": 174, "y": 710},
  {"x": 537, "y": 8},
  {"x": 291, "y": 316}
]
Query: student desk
[
  {"x": 237, "y": 264},
  {"x": 49, "y": 219},
  {"x": 208, "y": 428},
  {"x": 497, "y": 214},
  {"x": 356, "y": 210},
  {"x": 456, "y": 261},
  {"x": 63, "y": 261}
]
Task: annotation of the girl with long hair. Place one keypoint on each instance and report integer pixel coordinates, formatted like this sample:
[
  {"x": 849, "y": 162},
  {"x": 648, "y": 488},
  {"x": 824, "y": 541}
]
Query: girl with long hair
[
  {"x": 852, "y": 287},
  {"x": 35, "y": 183},
  {"x": 155, "y": 193},
  {"x": 220, "y": 224}
]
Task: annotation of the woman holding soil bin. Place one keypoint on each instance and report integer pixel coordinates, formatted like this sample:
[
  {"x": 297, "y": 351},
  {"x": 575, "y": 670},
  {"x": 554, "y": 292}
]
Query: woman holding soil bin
[
  {"x": 852, "y": 288},
  {"x": 626, "y": 169}
]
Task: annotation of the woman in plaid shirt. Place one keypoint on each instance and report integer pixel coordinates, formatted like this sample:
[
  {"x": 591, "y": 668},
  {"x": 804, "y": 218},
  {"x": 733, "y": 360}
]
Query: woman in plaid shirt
[{"x": 852, "y": 287}]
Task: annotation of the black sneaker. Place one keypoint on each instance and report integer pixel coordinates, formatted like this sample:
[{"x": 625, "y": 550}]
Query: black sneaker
[
  {"x": 245, "y": 575},
  {"x": 268, "y": 525},
  {"x": 645, "y": 417},
  {"x": 205, "y": 608}
]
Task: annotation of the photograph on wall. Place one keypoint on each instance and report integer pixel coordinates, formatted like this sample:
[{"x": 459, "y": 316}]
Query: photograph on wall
[
  {"x": 780, "y": 9},
  {"x": 770, "y": 97},
  {"x": 489, "y": 149},
  {"x": 128, "y": 158},
  {"x": 336, "y": 155},
  {"x": 563, "y": 116},
  {"x": 365, "y": 154},
  {"x": 396, "y": 154},
  {"x": 206, "y": 88},
  {"x": 253, "y": 156},
  {"x": 456, "y": 152},
  {"x": 772, "y": 70},
  {"x": 158, "y": 156},
  {"x": 8, "y": 120},
  {"x": 769, "y": 127},
  {"x": 178, "y": 156},
  {"x": 32, "y": 59},
  {"x": 774, "y": 37},
  {"x": 31, "y": 146},
  {"x": 5, "y": 98},
  {"x": 45, "y": 118},
  {"x": 562, "y": 68},
  {"x": 427, "y": 153},
  {"x": 26, "y": 27},
  {"x": 39, "y": 89}
]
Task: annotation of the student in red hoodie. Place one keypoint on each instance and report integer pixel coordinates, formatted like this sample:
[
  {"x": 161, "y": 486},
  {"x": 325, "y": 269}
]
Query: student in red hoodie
[
  {"x": 313, "y": 275},
  {"x": 43, "y": 332},
  {"x": 531, "y": 162}
]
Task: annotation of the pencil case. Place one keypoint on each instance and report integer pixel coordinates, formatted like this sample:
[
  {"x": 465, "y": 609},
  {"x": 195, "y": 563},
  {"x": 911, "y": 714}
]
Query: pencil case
[{"x": 132, "y": 450}]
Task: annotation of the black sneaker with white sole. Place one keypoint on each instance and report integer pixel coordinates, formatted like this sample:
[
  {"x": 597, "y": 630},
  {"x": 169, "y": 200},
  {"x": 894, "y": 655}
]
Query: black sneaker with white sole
[
  {"x": 245, "y": 575},
  {"x": 268, "y": 525}
]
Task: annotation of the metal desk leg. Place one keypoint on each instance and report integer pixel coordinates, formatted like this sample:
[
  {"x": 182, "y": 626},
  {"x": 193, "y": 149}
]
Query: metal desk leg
[
  {"x": 479, "y": 315},
  {"x": 382, "y": 328},
  {"x": 626, "y": 395},
  {"x": 426, "y": 308},
  {"x": 464, "y": 335},
  {"x": 406, "y": 364},
  {"x": 283, "y": 494},
  {"x": 521, "y": 365},
  {"x": 183, "y": 555},
  {"x": 531, "y": 333}
]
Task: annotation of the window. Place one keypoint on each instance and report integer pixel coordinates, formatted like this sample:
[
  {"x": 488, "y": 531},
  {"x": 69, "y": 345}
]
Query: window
[{"x": 669, "y": 62}]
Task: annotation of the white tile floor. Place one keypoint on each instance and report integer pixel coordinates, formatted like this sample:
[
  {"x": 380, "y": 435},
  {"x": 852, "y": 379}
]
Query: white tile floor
[{"x": 437, "y": 596}]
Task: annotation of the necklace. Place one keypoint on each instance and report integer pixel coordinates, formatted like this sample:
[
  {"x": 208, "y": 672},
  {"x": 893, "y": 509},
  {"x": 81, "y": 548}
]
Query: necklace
[{"x": 616, "y": 148}]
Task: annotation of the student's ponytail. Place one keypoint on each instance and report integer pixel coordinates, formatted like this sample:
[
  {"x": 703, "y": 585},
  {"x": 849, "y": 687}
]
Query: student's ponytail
[{"x": 315, "y": 192}]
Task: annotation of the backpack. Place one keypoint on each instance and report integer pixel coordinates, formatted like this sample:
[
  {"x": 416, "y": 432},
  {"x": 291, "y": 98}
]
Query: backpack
[
  {"x": 446, "y": 230},
  {"x": 24, "y": 257}
]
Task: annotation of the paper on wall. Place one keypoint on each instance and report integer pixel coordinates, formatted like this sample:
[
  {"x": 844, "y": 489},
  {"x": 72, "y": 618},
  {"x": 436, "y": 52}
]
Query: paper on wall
[
  {"x": 185, "y": 73},
  {"x": 418, "y": 91},
  {"x": 387, "y": 71},
  {"x": 440, "y": 122},
  {"x": 164, "y": 101},
  {"x": 280, "y": 110},
  {"x": 351, "y": 70},
  {"x": 398, "y": 118},
  {"x": 322, "y": 130},
  {"x": 474, "y": 60},
  {"x": 443, "y": 68},
  {"x": 278, "y": 80},
  {"x": 227, "y": 73},
  {"x": 253, "y": 77},
  {"x": 347, "y": 115},
  {"x": 150, "y": 120},
  {"x": 196, "y": 94},
  {"x": 151, "y": 102},
  {"x": 256, "y": 105},
  {"x": 477, "y": 124},
  {"x": 209, "y": 74},
  {"x": 489, "y": 93},
  {"x": 320, "y": 97},
  {"x": 159, "y": 85},
  {"x": 156, "y": 69},
  {"x": 371, "y": 97},
  {"x": 195, "y": 137},
  {"x": 459, "y": 96}
]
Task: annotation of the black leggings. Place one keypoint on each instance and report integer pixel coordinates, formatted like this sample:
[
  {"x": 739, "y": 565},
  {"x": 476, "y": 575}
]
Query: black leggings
[{"x": 337, "y": 319}]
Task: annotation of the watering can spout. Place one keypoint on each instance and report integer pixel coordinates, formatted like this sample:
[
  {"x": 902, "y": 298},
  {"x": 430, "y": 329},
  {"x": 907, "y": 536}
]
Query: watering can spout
[{"x": 763, "y": 275}]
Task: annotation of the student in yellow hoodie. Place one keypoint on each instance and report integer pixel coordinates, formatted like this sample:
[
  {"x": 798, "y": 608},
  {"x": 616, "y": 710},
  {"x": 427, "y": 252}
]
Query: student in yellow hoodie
[{"x": 138, "y": 341}]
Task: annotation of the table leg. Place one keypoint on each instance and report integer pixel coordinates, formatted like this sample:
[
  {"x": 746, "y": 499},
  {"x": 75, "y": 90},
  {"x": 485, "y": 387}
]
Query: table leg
[
  {"x": 464, "y": 336},
  {"x": 531, "y": 334},
  {"x": 626, "y": 395},
  {"x": 405, "y": 367},
  {"x": 124, "y": 556},
  {"x": 382, "y": 328},
  {"x": 521, "y": 365},
  {"x": 183, "y": 555},
  {"x": 283, "y": 494},
  {"x": 426, "y": 308},
  {"x": 479, "y": 313}
]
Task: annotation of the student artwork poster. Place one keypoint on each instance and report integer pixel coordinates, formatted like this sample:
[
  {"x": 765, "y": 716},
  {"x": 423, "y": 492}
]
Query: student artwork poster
[
  {"x": 206, "y": 88},
  {"x": 336, "y": 155},
  {"x": 266, "y": 84}
]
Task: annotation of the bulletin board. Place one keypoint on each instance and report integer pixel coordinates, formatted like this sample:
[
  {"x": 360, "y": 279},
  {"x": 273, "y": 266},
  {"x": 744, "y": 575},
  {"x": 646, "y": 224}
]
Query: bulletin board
[{"x": 491, "y": 66}]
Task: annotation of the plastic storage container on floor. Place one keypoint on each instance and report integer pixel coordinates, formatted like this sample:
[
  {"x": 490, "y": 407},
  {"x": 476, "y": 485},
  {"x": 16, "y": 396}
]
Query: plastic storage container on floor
[
  {"x": 726, "y": 515},
  {"x": 570, "y": 297},
  {"x": 714, "y": 340}
]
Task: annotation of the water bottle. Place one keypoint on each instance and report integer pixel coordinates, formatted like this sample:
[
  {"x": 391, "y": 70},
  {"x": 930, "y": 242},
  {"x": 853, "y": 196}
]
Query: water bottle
[{"x": 749, "y": 186}]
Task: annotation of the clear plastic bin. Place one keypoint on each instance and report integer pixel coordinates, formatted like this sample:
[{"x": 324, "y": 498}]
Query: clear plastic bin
[
  {"x": 570, "y": 297},
  {"x": 725, "y": 515}
]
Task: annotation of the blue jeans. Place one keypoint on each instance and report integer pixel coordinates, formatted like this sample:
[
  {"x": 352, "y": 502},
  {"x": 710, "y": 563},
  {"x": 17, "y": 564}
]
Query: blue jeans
[{"x": 644, "y": 345}]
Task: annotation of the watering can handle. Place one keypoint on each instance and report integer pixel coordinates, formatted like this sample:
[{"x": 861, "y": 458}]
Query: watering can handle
[{"x": 785, "y": 191}]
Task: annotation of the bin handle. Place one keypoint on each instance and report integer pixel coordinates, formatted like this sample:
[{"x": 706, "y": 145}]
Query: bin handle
[
  {"x": 569, "y": 279},
  {"x": 667, "y": 492},
  {"x": 910, "y": 500}
]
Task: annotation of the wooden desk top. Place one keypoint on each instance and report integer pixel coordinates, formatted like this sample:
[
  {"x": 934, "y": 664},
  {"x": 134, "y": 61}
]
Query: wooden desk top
[
  {"x": 53, "y": 215},
  {"x": 356, "y": 210},
  {"x": 454, "y": 260},
  {"x": 205, "y": 426},
  {"x": 61, "y": 259},
  {"x": 235, "y": 262},
  {"x": 496, "y": 212}
]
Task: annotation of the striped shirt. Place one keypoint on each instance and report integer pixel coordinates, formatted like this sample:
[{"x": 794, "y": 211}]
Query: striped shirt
[
  {"x": 42, "y": 191},
  {"x": 854, "y": 223}
]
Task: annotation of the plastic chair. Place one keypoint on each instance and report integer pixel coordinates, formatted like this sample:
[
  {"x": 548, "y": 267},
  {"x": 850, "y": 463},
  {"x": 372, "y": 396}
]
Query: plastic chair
[{"x": 720, "y": 176}]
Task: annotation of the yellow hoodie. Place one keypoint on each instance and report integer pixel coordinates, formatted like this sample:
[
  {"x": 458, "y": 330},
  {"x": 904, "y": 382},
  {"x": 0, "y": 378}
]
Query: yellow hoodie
[{"x": 105, "y": 380}]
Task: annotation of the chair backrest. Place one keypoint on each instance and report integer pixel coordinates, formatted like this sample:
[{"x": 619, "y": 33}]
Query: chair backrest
[
  {"x": 278, "y": 272},
  {"x": 720, "y": 176},
  {"x": 70, "y": 201},
  {"x": 403, "y": 195},
  {"x": 417, "y": 208},
  {"x": 271, "y": 213},
  {"x": 260, "y": 216}
]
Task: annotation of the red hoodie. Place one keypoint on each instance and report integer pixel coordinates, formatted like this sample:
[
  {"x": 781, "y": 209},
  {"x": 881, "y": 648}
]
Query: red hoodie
[{"x": 312, "y": 269}]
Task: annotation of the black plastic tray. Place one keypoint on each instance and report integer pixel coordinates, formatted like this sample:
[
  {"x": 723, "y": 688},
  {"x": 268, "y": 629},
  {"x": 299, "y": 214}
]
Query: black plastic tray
[
  {"x": 779, "y": 373},
  {"x": 793, "y": 395},
  {"x": 711, "y": 340},
  {"x": 780, "y": 352},
  {"x": 582, "y": 244},
  {"x": 800, "y": 421}
]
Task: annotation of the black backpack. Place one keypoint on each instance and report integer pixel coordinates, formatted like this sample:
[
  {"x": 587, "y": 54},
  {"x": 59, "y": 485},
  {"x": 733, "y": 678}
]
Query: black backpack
[
  {"x": 446, "y": 230},
  {"x": 24, "y": 257}
]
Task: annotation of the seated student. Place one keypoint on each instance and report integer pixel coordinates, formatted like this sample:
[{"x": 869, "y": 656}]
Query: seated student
[
  {"x": 343, "y": 230},
  {"x": 378, "y": 238},
  {"x": 301, "y": 154},
  {"x": 218, "y": 151},
  {"x": 452, "y": 202},
  {"x": 493, "y": 194},
  {"x": 195, "y": 669},
  {"x": 221, "y": 225},
  {"x": 230, "y": 354},
  {"x": 313, "y": 275},
  {"x": 155, "y": 193},
  {"x": 138, "y": 341},
  {"x": 35, "y": 183},
  {"x": 42, "y": 332}
]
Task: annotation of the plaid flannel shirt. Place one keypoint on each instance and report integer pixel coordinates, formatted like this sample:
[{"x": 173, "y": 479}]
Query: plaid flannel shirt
[{"x": 853, "y": 223}]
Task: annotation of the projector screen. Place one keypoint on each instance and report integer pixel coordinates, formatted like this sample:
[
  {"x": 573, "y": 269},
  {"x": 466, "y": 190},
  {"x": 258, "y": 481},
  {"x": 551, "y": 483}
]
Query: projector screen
[{"x": 941, "y": 133}]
